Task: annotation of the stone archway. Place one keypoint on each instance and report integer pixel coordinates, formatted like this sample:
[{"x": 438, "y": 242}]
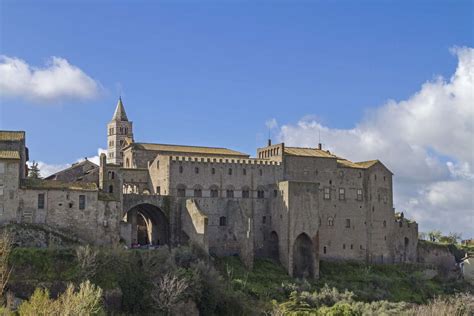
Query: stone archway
[
  {"x": 148, "y": 225},
  {"x": 303, "y": 257}
]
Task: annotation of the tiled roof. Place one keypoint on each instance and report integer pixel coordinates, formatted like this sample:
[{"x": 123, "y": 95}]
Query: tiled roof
[
  {"x": 190, "y": 149},
  {"x": 367, "y": 164},
  {"x": 348, "y": 164},
  {"x": 58, "y": 185},
  {"x": 9, "y": 154},
  {"x": 12, "y": 135},
  {"x": 308, "y": 152}
]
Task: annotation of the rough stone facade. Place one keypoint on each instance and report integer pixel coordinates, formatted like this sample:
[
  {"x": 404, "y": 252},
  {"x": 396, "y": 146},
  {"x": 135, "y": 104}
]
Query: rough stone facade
[{"x": 295, "y": 205}]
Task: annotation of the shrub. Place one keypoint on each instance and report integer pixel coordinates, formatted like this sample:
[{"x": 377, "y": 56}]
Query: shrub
[
  {"x": 86, "y": 301},
  {"x": 87, "y": 259},
  {"x": 456, "y": 305},
  {"x": 168, "y": 291}
]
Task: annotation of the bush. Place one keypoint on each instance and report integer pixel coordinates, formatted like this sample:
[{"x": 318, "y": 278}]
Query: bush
[{"x": 86, "y": 301}]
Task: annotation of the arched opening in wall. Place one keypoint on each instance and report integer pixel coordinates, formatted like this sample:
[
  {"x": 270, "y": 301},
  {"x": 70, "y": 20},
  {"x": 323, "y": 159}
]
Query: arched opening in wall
[
  {"x": 303, "y": 257},
  {"x": 149, "y": 225},
  {"x": 274, "y": 247}
]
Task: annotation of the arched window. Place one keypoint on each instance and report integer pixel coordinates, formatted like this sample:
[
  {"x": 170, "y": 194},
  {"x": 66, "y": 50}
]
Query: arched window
[
  {"x": 229, "y": 193},
  {"x": 197, "y": 192},
  {"x": 213, "y": 171},
  {"x": 222, "y": 221},
  {"x": 181, "y": 190},
  {"x": 111, "y": 189},
  {"x": 330, "y": 221},
  {"x": 260, "y": 194},
  {"x": 127, "y": 163},
  {"x": 245, "y": 192},
  {"x": 180, "y": 169},
  {"x": 229, "y": 172},
  {"x": 260, "y": 172},
  {"x": 113, "y": 175},
  {"x": 196, "y": 170},
  {"x": 214, "y": 191}
]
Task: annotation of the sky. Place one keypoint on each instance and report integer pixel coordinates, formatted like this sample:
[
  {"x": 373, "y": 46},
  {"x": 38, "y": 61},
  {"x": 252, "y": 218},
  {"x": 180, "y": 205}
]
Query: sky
[{"x": 388, "y": 80}]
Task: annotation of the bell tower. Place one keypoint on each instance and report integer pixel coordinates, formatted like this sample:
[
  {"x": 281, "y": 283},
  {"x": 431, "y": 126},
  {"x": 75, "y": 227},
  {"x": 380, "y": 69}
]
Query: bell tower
[{"x": 119, "y": 130}]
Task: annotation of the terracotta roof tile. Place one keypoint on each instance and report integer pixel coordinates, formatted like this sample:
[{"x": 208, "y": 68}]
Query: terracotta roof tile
[
  {"x": 308, "y": 152},
  {"x": 190, "y": 149},
  {"x": 58, "y": 185}
]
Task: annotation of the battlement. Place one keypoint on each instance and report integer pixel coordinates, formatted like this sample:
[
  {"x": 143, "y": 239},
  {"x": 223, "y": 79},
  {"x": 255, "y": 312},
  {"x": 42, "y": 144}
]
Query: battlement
[{"x": 249, "y": 161}]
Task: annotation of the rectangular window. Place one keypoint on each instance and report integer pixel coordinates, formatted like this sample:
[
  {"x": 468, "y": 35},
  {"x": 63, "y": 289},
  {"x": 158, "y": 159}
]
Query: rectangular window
[
  {"x": 359, "y": 194},
  {"x": 158, "y": 190},
  {"x": 260, "y": 194},
  {"x": 264, "y": 219},
  {"x": 2, "y": 167},
  {"x": 348, "y": 223},
  {"x": 245, "y": 194},
  {"x": 342, "y": 194},
  {"x": 181, "y": 192},
  {"x": 214, "y": 193},
  {"x": 82, "y": 202},
  {"x": 41, "y": 201},
  {"x": 197, "y": 193},
  {"x": 327, "y": 193},
  {"x": 230, "y": 193}
]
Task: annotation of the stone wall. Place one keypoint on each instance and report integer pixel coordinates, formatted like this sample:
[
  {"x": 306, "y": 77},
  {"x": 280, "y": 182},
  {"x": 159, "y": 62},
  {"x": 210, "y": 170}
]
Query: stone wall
[
  {"x": 97, "y": 223},
  {"x": 9, "y": 185}
]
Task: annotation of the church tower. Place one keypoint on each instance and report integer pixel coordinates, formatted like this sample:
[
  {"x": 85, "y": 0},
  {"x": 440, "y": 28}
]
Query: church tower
[{"x": 119, "y": 131}]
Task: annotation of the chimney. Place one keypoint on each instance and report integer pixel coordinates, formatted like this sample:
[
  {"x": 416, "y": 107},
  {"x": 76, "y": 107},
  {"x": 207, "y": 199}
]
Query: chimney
[
  {"x": 320, "y": 146},
  {"x": 269, "y": 142}
]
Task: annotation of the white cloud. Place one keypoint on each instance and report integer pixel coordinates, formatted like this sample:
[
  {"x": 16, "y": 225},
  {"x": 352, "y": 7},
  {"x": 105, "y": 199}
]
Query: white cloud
[
  {"x": 49, "y": 169},
  {"x": 426, "y": 140},
  {"x": 271, "y": 123},
  {"x": 57, "y": 81}
]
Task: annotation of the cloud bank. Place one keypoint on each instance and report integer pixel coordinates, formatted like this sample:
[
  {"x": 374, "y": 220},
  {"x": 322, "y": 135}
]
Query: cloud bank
[
  {"x": 426, "y": 140},
  {"x": 57, "y": 81}
]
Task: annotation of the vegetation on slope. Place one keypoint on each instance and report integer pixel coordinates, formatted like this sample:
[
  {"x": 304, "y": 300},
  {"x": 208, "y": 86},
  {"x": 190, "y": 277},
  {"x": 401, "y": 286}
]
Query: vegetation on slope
[{"x": 222, "y": 286}]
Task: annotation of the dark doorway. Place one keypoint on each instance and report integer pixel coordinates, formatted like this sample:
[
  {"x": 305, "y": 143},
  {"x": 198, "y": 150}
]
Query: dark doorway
[
  {"x": 303, "y": 257},
  {"x": 150, "y": 226},
  {"x": 274, "y": 247}
]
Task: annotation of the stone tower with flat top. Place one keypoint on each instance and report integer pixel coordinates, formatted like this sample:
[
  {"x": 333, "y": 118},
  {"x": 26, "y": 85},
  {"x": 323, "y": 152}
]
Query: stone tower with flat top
[{"x": 119, "y": 132}]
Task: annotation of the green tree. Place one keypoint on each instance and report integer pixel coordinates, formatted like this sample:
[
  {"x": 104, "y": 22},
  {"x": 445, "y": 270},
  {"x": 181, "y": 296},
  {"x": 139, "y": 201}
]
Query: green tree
[
  {"x": 34, "y": 172},
  {"x": 434, "y": 235}
]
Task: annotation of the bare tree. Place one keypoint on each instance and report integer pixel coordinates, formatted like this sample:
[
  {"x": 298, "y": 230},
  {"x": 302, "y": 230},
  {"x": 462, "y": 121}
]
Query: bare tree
[
  {"x": 168, "y": 291},
  {"x": 87, "y": 259},
  {"x": 5, "y": 270}
]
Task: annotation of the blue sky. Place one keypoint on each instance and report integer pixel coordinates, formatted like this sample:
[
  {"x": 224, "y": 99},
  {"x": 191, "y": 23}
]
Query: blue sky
[{"x": 213, "y": 73}]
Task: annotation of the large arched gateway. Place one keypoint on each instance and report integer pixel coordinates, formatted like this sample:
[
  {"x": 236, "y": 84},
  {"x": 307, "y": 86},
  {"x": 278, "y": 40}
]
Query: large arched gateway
[
  {"x": 148, "y": 225},
  {"x": 303, "y": 257}
]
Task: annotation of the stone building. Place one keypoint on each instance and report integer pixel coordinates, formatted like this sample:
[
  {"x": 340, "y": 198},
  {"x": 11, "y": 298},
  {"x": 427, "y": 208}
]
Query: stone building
[{"x": 295, "y": 205}]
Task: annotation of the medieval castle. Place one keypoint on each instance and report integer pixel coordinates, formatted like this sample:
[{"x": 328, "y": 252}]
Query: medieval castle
[{"x": 295, "y": 205}]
